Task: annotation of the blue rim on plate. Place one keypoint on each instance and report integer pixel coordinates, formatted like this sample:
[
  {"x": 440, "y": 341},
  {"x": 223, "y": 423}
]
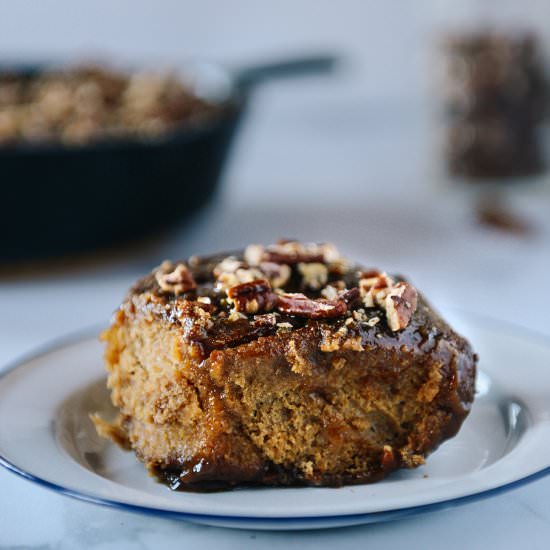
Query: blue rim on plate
[
  {"x": 377, "y": 516},
  {"x": 380, "y": 516}
]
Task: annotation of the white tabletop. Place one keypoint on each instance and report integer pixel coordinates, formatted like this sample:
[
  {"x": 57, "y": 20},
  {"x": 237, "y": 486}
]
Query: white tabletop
[{"x": 338, "y": 162}]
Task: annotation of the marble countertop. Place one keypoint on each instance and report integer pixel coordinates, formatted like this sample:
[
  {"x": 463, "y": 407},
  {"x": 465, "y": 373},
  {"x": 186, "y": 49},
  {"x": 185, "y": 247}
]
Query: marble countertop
[{"x": 460, "y": 265}]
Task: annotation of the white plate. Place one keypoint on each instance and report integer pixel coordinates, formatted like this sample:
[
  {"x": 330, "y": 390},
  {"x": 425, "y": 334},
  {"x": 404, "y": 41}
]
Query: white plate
[{"x": 47, "y": 437}]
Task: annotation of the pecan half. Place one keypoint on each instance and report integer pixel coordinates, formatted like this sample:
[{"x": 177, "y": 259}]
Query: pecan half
[
  {"x": 252, "y": 297},
  {"x": 302, "y": 306},
  {"x": 294, "y": 252},
  {"x": 291, "y": 252},
  {"x": 291, "y": 255},
  {"x": 177, "y": 281},
  {"x": 400, "y": 305}
]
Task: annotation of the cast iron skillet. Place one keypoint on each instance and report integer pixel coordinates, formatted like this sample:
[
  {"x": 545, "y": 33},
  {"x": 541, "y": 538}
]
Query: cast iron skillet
[{"x": 56, "y": 200}]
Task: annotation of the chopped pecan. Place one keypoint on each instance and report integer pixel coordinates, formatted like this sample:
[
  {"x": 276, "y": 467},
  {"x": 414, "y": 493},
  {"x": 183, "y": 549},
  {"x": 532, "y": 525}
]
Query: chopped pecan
[
  {"x": 227, "y": 265},
  {"x": 194, "y": 317},
  {"x": 333, "y": 289},
  {"x": 331, "y": 254},
  {"x": 340, "y": 266},
  {"x": 254, "y": 254},
  {"x": 278, "y": 274},
  {"x": 314, "y": 274},
  {"x": 330, "y": 292},
  {"x": 342, "y": 339},
  {"x": 400, "y": 305},
  {"x": 176, "y": 281},
  {"x": 265, "y": 323},
  {"x": 241, "y": 275},
  {"x": 302, "y": 306},
  {"x": 194, "y": 261},
  {"x": 236, "y": 316},
  {"x": 349, "y": 297},
  {"x": 360, "y": 315},
  {"x": 231, "y": 272},
  {"x": 374, "y": 288},
  {"x": 252, "y": 297}
]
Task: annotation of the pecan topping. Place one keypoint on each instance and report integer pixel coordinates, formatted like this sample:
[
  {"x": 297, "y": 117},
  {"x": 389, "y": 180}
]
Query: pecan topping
[
  {"x": 278, "y": 274},
  {"x": 331, "y": 254},
  {"x": 333, "y": 289},
  {"x": 252, "y": 297},
  {"x": 330, "y": 292},
  {"x": 194, "y": 318},
  {"x": 374, "y": 288},
  {"x": 400, "y": 305},
  {"x": 399, "y": 300},
  {"x": 241, "y": 275},
  {"x": 291, "y": 253},
  {"x": 349, "y": 297},
  {"x": 314, "y": 274},
  {"x": 254, "y": 254},
  {"x": 176, "y": 281},
  {"x": 339, "y": 266},
  {"x": 228, "y": 265},
  {"x": 266, "y": 319},
  {"x": 302, "y": 306},
  {"x": 281, "y": 256}
]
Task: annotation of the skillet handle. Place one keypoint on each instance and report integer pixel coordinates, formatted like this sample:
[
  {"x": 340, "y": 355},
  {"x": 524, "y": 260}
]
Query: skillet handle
[{"x": 299, "y": 66}]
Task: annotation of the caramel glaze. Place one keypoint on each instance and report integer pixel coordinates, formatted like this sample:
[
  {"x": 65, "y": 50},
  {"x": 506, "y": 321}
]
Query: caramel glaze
[
  {"x": 427, "y": 336},
  {"x": 225, "y": 333}
]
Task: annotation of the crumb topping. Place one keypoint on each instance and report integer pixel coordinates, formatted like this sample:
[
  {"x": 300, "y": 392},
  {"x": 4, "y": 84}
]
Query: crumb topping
[{"x": 87, "y": 104}]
